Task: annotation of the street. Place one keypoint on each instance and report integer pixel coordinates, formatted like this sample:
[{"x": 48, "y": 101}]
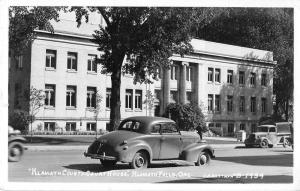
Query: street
[{"x": 231, "y": 165}]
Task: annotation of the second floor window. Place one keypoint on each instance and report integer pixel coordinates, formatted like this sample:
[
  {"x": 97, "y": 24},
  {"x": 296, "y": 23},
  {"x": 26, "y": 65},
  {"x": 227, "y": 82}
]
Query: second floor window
[
  {"x": 217, "y": 75},
  {"x": 253, "y": 105},
  {"x": 230, "y": 76},
  {"x": 91, "y": 97},
  {"x": 49, "y": 95},
  {"x": 252, "y": 79},
  {"x": 241, "y": 77},
  {"x": 91, "y": 64},
  {"x": 264, "y": 79},
  {"x": 242, "y": 104},
  {"x": 71, "y": 96},
  {"x": 210, "y": 75},
  {"x": 173, "y": 73},
  {"x": 210, "y": 103},
  {"x": 108, "y": 97},
  {"x": 217, "y": 103},
  {"x": 128, "y": 99},
  {"x": 138, "y": 99},
  {"x": 263, "y": 105},
  {"x": 229, "y": 103},
  {"x": 51, "y": 59},
  {"x": 72, "y": 61}
]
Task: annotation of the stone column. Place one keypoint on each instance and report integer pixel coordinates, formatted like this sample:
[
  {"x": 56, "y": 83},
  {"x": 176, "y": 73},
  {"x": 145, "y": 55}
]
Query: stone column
[
  {"x": 196, "y": 84},
  {"x": 165, "y": 90},
  {"x": 182, "y": 83}
]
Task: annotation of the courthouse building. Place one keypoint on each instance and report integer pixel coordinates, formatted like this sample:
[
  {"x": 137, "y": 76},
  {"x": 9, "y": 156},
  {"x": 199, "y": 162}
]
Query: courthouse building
[{"x": 233, "y": 85}]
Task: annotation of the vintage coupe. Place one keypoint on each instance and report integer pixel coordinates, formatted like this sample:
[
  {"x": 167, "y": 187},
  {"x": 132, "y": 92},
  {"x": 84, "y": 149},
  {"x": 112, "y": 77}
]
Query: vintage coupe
[{"x": 140, "y": 140}]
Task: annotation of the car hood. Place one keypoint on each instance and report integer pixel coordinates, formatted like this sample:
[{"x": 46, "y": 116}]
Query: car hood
[{"x": 117, "y": 137}]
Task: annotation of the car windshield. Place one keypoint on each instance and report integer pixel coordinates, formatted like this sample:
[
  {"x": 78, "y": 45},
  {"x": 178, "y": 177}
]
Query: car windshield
[
  {"x": 130, "y": 126},
  {"x": 262, "y": 129}
]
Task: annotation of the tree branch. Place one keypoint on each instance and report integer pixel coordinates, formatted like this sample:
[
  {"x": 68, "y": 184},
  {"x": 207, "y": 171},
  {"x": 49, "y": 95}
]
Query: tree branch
[{"x": 105, "y": 17}]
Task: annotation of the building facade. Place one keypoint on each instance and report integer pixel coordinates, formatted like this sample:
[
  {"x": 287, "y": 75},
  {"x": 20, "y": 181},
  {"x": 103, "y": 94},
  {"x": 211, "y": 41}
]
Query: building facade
[{"x": 233, "y": 85}]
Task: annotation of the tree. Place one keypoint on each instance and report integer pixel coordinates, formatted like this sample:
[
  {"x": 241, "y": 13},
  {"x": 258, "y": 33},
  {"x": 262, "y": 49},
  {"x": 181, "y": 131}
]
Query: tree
[
  {"x": 146, "y": 36},
  {"x": 188, "y": 117},
  {"x": 98, "y": 100},
  {"x": 262, "y": 28},
  {"x": 19, "y": 120},
  {"x": 24, "y": 20},
  {"x": 149, "y": 101}
]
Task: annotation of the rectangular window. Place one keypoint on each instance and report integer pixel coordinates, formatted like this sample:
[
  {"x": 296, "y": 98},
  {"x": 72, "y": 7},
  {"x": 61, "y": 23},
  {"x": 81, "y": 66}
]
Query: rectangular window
[
  {"x": 230, "y": 129},
  {"x": 210, "y": 125},
  {"x": 263, "y": 105},
  {"x": 210, "y": 74},
  {"x": 91, "y": 97},
  {"x": 91, "y": 126},
  {"x": 174, "y": 70},
  {"x": 241, "y": 77},
  {"x": 229, "y": 103},
  {"x": 91, "y": 63},
  {"x": 218, "y": 75},
  {"x": 128, "y": 99},
  {"x": 230, "y": 76},
  {"x": 189, "y": 74},
  {"x": 71, "y": 96},
  {"x": 218, "y": 125},
  {"x": 108, "y": 97},
  {"x": 242, "y": 126},
  {"x": 210, "y": 103},
  {"x": 157, "y": 95},
  {"x": 217, "y": 103},
  {"x": 264, "y": 79},
  {"x": 253, "y": 127},
  {"x": 173, "y": 96},
  {"x": 242, "y": 104},
  {"x": 138, "y": 99},
  {"x": 49, "y": 126},
  {"x": 70, "y": 126},
  {"x": 72, "y": 61},
  {"x": 19, "y": 64},
  {"x": 49, "y": 95},
  {"x": 51, "y": 59},
  {"x": 188, "y": 97},
  {"x": 252, "y": 79},
  {"x": 253, "y": 104}
]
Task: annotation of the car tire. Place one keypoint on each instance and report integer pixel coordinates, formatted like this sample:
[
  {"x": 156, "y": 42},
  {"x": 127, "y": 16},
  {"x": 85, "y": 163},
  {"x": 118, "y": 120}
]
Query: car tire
[
  {"x": 140, "y": 160},
  {"x": 15, "y": 151},
  {"x": 108, "y": 163},
  {"x": 264, "y": 143},
  {"x": 203, "y": 159}
]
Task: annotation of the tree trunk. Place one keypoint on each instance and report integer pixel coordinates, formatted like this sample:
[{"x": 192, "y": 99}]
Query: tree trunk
[{"x": 286, "y": 112}]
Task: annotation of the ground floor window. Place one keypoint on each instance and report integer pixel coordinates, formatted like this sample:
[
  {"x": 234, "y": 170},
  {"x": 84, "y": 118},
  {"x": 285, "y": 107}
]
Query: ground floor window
[
  {"x": 91, "y": 126},
  {"x": 242, "y": 126},
  {"x": 230, "y": 129},
  {"x": 70, "y": 126},
  {"x": 49, "y": 126},
  {"x": 253, "y": 128}
]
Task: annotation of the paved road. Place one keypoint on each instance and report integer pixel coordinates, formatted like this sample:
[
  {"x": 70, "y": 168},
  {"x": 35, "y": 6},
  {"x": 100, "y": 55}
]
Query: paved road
[{"x": 238, "y": 165}]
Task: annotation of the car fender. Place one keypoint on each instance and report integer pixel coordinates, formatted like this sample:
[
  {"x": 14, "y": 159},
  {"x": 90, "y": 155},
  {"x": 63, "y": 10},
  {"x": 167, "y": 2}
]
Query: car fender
[
  {"x": 135, "y": 146},
  {"x": 265, "y": 138},
  {"x": 16, "y": 138},
  {"x": 191, "y": 152}
]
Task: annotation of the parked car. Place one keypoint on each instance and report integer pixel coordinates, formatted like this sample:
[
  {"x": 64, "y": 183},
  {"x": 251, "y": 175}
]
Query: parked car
[
  {"x": 141, "y": 140},
  {"x": 270, "y": 135},
  {"x": 15, "y": 145}
]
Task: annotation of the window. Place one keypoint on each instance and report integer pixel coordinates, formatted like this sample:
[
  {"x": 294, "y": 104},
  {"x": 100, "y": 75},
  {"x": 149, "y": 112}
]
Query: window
[
  {"x": 217, "y": 103},
  {"x": 173, "y": 96},
  {"x": 272, "y": 129},
  {"x": 19, "y": 63},
  {"x": 128, "y": 99},
  {"x": 242, "y": 104},
  {"x": 70, "y": 126},
  {"x": 91, "y": 63},
  {"x": 211, "y": 125},
  {"x": 229, "y": 103},
  {"x": 174, "y": 71},
  {"x": 156, "y": 95},
  {"x": 49, "y": 95},
  {"x": 189, "y": 74},
  {"x": 91, "y": 97},
  {"x": 252, "y": 79},
  {"x": 138, "y": 99},
  {"x": 263, "y": 105},
  {"x": 91, "y": 126},
  {"x": 210, "y": 74},
  {"x": 264, "y": 79},
  {"x": 242, "y": 126},
  {"x": 169, "y": 128},
  {"x": 241, "y": 77},
  {"x": 230, "y": 128},
  {"x": 71, "y": 96},
  {"x": 108, "y": 97},
  {"x": 210, "y": 103},
  {"x": 155, "y": 129},
  {"x": 217, "y": 75},
  {"x": 188, "y": 97},
  {"x": 72, "y": 61},
  {"x": 230, "y": 76},
  {"x": 49, "y": 126},
  {"x": 218, "y": 125},
  {"x": 253, "y": 104},
  {"x": 253, "y": 127},
  {"x": 51, "y": 59}
]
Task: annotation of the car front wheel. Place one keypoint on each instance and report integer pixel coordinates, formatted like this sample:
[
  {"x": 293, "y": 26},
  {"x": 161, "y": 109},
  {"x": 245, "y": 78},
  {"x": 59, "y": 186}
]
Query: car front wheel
[
  {"x": 264, "y": 144},
  {"x": 203, "y": 158},
  {"x": 140, "y": 160},
  {"x": 15, "y": 151}
]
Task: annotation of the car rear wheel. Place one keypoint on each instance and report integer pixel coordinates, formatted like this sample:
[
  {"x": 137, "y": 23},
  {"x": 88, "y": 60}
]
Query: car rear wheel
[
  {"x": 140, "y": 160},
  {"x": 264, "y": 144},
  {"x": 108, "y": 163},
  {"x": 203, "y": 158},
  {"x": 15, "y": 151}
]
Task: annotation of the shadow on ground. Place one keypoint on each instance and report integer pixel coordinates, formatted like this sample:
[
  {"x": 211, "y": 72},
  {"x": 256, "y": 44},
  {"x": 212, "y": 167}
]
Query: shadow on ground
[
  {"x": 64, "y": 140},
  {"x": 265, "y": 179}
]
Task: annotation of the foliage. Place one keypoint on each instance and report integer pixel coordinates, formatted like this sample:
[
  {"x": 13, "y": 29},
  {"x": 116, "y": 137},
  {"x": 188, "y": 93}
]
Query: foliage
[
  {"x": 262, "y": 28},
  {"x": 149, "y": 101},
  {"x": 36, "y": 100},
  {"x": 19, "y": 120},
  {"x": 97, "y": 109},
  {"x": 24, "y": 20},
  {"x": 189, "y": 117},
  {"x": 147, "y": 36}
]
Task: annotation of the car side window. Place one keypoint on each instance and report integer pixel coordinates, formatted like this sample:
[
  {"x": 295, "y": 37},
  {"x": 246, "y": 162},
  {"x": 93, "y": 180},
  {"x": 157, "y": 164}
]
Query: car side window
[
  {"x": 169, "y": 128},
  {"x": 272, "y": 129},
  {"x": 155, "y": 129}
]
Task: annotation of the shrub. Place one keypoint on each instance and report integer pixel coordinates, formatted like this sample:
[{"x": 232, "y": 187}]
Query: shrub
[
  {"x": 189, "y": 117},
  {"x": 19, "y": 120}
]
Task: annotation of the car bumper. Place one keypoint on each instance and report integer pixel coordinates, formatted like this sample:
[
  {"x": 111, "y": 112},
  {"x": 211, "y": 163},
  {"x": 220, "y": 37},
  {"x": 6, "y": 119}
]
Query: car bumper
[{"x": 98, "y": 156}]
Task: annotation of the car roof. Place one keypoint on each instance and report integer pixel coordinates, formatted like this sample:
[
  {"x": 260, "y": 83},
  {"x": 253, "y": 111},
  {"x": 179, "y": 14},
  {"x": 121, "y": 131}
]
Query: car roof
[{"x": 149, "y": 119}]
